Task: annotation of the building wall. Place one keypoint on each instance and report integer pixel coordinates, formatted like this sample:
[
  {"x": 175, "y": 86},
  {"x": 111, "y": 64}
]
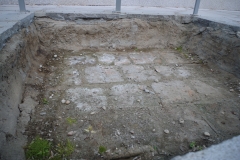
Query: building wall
[{"x": 205, "y": 4}]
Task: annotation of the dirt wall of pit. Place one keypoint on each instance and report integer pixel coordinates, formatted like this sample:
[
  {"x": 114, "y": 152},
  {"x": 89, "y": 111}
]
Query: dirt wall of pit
[
  {"x": 215, "y": 43},
  {"x": 16, "y": 59}
]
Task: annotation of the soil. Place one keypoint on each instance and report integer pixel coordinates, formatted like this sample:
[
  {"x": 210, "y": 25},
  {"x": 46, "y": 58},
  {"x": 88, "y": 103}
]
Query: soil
[{"x": 144, "y": 97}]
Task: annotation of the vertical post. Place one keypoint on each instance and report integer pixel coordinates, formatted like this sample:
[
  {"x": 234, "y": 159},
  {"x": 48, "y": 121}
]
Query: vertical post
[
  {"x": 21, "y": 4},
  {"x": 196, "y": 7},
  {"x": 118, "y": 5}
]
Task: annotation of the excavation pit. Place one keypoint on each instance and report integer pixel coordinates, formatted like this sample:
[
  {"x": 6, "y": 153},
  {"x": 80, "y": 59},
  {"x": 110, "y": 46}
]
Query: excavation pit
[{"x": 146, "y": 86}]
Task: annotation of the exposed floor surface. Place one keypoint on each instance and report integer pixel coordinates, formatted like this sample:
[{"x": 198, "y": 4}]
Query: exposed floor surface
[{"x": 140, "y": 103}]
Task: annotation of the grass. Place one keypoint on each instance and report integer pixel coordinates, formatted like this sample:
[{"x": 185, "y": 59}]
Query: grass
[
  {"x": 179, "y": 49},
  {"x": 64, "y": 150},
  {"x": 192, "y": 145},
  {"x": 195, "y": 147},
  {"x": 38, "y": 149},
  {"x": 45, "y": 101},
  {"x": 71, "y": 120},
  {"x": 102, "y": 149}
]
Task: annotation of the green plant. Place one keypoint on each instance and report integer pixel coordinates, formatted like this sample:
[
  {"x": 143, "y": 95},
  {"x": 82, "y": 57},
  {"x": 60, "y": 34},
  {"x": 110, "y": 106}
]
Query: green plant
[
  {"x": 199, "y": 148},
  {"x": 64, "y": 150},
  {"x": 45, "y": 101},
  {"x": 102, "y": 149},
  {"x": 38, "y": 149},
  {"x": 136, "y": 49},
  {"x": 179, "y": 49},
  {"x": 192, "y": 144},
  {"x": 71, "y": 120}
]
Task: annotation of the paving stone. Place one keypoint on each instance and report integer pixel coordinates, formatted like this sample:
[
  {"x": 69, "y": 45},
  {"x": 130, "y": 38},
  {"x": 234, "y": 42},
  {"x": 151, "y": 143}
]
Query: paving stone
[
  {"x": 72, "y": 77},
  {"x": 204, "y": 89},
  {"x": 174, "y": 91},
  {"x": 87, "y": 99},
  {"x": 73, "y": 60},
  {"x": 106, "y": 58},
  {"x": 132, "y": 95},
  {"x": 121, "y": 60},
  {"x": 142, "y": 58},
  {"x": 170, "y": 57},
  {"x": 167, "y": 71},
  {"x": 100, "y": 74},
  {"x": 138, "y": 73}
]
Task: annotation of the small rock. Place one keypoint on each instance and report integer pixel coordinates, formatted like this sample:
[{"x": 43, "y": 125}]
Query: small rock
[
  {"x": 231, "y": 90},
  {"x": 206, "y": 134},
  {"x": 132, "y": 132},
  {"x": 115, "y": 99},
  {"x": 166, "y": 131},
  {"x": 156, "y": 80},
  {"x": 146, "y": 90},
  {"x": 68, "y": 102},
  {"x": 138, "y": 100},
  {"x": 133, "y": 137},
  {"x": 71, "y": 133},
  {"x": 63, "y": 101},
  {"x": 104, "y": 108},
  {"x": 40, "y": 66},
  {"x": 238, "y": 34},
  {"x": 43, "y": 113},
  {"x": 181, "y": 121},
  {"x": 176, "y": 65},
  {"x": 154, "y": 130},
  {"x": 55, "y": 56},
  {"x": 92, "y": 113}
]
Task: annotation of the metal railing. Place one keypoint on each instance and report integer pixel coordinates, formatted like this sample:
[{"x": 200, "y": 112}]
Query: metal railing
[{"x": 22, "y": 7}]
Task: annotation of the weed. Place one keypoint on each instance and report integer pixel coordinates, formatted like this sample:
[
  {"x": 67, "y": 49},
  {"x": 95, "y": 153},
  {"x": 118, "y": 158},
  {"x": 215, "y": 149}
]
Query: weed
[
  {"x": 38, "y": 149},
  {"x": 102, "y": 149},
  {"x": 199, "y": 148},
  {"x": 192, "y": 145},
  {"x": 179, "y": 49},
  {"x": 45, "y": 101},
  {"x": 136, "y": 49},
  {"x": 71, "y": 120},
  {"x": 64, "y": 150}
]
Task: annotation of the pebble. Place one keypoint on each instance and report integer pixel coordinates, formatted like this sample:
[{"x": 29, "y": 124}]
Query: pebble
[
  {"x": 43, "y": 113},
  {"x": 231, "y": 90},
  {"x": 71, "y": 133},
  {"x": 156, "y": 80},
  {"x": 104, "y": 108},
  {"x": 206, "y": 134},
  {"x": 154, "y": 130},
  {"x": 181, "y": 121},
  {"x": 63, "y": 101},
  {"x": 68, "y": 102},
  {"x": 166, "y": 131},
  {"x": 55, "y": 56},
  {"x": 92, "y": 113},
  {"x": 132, "y": 132},
  {"x": 132, "y": 137},
  {"x": 40, "y": 66},
  {"x": 176, "y": 65},
  {"x": 146, "y": 90},
  {"x": 138, "y": 100}
]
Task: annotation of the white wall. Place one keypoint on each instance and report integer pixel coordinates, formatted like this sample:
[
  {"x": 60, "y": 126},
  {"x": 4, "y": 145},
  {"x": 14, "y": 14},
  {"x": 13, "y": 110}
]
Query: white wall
[{"x": 205, "y": 4}]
